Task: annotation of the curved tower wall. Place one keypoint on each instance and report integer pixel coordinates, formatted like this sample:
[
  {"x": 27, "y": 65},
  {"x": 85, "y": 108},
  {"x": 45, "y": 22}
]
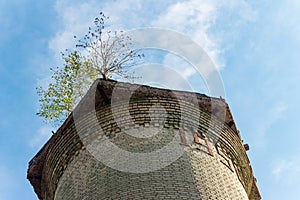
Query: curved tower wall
[{"x": 212, "y": 165}]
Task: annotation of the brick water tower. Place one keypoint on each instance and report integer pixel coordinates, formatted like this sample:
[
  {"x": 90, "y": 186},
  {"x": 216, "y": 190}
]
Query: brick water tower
[{"x": 129, "y": 141}]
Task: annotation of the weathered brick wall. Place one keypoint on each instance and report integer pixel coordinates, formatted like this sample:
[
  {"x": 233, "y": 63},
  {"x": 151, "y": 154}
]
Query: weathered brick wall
[{"x": 214, "y": 164}]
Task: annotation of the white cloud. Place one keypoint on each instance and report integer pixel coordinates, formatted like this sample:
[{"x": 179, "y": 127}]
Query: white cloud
[
  {"x": 286, "y": 20},
  {"x": 265, "y": 122},
  {"x": 180, "y": 65},
  {"x": 161, "y": 76},
  {"x": 188, "y": 72},
  {"x": 41, "y": 137},
  {"x": 198, "y": 19},
  {"x": 185, "y": 70},
  {"x": 278, "y": 111},
  {"x": 75, "y": 18},
  {"x": 193, "y": 18},
  {"x": 287, "y": 170}
]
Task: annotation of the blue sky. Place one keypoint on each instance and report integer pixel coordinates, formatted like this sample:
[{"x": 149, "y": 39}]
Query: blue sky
[{"x": 254, "y": 44}]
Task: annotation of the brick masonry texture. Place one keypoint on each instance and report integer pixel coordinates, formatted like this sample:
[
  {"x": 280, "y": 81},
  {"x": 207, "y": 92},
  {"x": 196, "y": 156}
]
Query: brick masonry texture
[{"x": 214, "y": 163}]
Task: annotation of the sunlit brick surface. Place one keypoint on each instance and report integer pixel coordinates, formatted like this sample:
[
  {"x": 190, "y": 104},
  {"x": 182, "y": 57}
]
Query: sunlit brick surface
[{"x": 214, "y": 164}]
